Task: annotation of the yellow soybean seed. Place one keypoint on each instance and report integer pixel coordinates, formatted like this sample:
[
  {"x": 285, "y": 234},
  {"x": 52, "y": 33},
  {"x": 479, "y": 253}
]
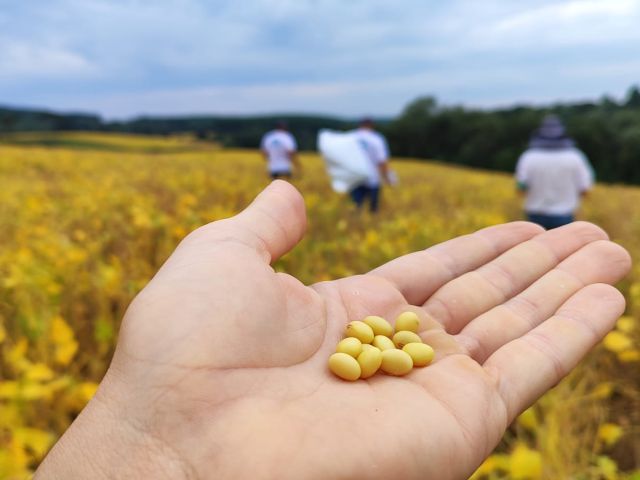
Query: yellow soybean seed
[
  {"x": 403, "y": 337},
  {"x": 396, "y": 362},
  {"x": 359, "y": 330},
  {"x": 366, "y": 346},
  {"x": 408, "y": 321},
  {"x": 382, "y": 342},
  {"x": 369, "y": 361},
  {"x": 420, "y": 353},
  {"x": 350, "y": 345},
  {"x": 344, "y": 366},
  {"x": 379, "y": 325}
]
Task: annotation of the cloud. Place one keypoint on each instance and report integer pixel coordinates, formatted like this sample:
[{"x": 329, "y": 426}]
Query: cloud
[
  {"x": 22, "y": 59},
  {"x": 124, "y": 57},
  {"x": 577, "y": 22}
]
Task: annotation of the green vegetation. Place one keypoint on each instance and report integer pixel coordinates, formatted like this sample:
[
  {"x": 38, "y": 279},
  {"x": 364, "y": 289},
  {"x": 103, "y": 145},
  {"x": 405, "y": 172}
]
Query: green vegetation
[{"x": 607, "y": 131}]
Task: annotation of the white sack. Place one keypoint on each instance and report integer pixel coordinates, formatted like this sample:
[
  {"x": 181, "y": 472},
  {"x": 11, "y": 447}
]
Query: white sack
[{"x": 346, "y": 160}]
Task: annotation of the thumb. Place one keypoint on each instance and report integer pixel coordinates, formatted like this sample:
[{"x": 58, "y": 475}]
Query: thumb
[
  {"x": 275, "y": 221},
  {"x": 209, "y": 300},
  {"x": 272, "y": 224}
]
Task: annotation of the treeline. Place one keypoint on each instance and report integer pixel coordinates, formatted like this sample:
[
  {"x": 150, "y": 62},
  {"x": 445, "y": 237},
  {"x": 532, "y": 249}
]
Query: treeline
[
  {"x": 22, "y": 120},
  {"x": 607, "y": 131},
  {"x": 231, "y": 131},
  {"x": 243, "y": 132}
]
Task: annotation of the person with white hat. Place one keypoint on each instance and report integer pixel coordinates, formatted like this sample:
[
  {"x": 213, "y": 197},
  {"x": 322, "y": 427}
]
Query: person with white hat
[{"x": 553, "y": 174}]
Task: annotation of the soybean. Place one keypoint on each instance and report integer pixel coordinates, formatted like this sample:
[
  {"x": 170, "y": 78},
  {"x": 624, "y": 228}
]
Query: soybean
[
  {"x": 396, "y": 362},
  {"x": 408, "y": 321},
  {"x": 420, "y": 353},
  {"x": 370, "y": 361},
  {"x": 379, "y": 325},
  {"x": 345, "y": 366},
  {"x": 360, "y": 330},
  {"x": 371, "y": 345},
  {"x": 382, "y": 342},
  {"x": 350, "y": 345},
  {"x": 403, "y": 337}
]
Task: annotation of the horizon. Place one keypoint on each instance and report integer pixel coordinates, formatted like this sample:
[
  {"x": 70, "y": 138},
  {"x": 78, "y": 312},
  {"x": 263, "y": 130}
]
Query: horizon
[{"x": 543, "y": 105}]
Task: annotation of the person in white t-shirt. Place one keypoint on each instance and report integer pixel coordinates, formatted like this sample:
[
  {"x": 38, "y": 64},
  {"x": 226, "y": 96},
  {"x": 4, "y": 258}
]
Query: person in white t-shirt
[
  {"x": 377, "y": 150},
  {"x": 553, "y": 174},
  {"x": 279, "y": 150}
]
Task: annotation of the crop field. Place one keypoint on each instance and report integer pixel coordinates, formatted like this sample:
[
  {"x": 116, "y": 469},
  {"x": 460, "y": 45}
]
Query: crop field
[{"x": 87, "y": 219}]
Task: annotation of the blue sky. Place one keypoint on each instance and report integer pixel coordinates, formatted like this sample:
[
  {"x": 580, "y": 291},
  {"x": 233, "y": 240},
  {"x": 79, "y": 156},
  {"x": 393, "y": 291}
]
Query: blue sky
[{"x": 122, "y": 58}]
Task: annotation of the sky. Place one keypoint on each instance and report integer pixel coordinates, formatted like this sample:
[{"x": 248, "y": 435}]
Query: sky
[{"x": 124, "y": 58}]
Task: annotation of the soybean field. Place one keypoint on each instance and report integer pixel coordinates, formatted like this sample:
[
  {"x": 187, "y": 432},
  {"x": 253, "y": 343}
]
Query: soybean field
[{"x": 87, "y": 219}]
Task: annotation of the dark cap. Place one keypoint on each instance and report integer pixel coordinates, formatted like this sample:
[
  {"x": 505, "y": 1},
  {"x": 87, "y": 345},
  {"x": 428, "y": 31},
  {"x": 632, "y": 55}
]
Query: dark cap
[
  {"x": 551, "y": 134},
  {"x": 367, "y": 122}
]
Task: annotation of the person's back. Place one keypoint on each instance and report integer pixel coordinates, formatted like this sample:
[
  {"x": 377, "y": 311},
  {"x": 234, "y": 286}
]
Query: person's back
[
  {"x": 554, "y": 174},
  {"x": 377, "y": 152},
  {"x": 279, "y": 147},
  {"x": 375, "y": 146},
  {"x": 555, "y": 180}
]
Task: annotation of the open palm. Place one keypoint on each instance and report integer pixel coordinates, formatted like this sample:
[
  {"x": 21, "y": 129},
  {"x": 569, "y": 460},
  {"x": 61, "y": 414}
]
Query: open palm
[{"x": 220, "y": 370}]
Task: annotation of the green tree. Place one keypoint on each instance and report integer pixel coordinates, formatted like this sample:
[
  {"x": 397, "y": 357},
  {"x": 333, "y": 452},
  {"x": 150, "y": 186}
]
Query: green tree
[{"x": 633, "y": 97}]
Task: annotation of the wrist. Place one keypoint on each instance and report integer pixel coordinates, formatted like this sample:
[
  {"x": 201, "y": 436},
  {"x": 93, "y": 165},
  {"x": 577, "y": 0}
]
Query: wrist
[{"x": 102, "y": 444}]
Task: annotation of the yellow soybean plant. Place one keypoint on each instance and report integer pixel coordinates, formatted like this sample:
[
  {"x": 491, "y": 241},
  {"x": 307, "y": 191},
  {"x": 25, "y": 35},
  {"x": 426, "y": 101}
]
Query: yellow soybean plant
[{"x": 85, "y": 225}]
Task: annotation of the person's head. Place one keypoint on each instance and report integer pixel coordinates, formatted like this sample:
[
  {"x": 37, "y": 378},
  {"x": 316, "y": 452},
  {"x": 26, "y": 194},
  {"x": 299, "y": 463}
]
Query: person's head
[
  {"x": 552, "y": 127},
  {"x": 367, "y": 122},
  {"x": 551, "y": 134},
  {"x": 282, "y": 125}
]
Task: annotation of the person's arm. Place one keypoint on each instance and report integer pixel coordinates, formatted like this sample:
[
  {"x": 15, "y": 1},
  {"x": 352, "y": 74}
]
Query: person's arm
[
  {"x": 292, "y": 153},
  {"x": 221, "y": 359},
  {"x": 263, "y": 149},
  {"x": 585, "y": 175},
  {"x": 522, "y": 174},
  {"x": 295, "y": 160},
  {"x": 383, "y": 168},
  {"x": 383, "y": 156}
]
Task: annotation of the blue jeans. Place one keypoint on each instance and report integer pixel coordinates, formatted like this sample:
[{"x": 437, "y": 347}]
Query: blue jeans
[
  {"x": 362, "y": 192},
  {"x": 280, "y": 174},
  {"x": 549, "y": 221}
]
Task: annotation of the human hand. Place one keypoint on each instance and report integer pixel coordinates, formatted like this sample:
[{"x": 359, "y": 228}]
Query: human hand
[{"x": 221, "y": 365}]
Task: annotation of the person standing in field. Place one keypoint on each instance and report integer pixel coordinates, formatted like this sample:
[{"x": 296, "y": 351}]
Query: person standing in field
[
  {"x": 279, "y": 149},
  {"x": 375, "y": 146},
  {"x": 553, "y": 174}
]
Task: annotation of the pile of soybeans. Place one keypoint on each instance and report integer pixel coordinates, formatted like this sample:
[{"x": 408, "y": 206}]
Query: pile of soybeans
[{"x": 371, "y": 345}]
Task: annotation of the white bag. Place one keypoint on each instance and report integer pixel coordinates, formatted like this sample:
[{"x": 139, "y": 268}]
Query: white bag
[{"x": 346, "y": 160}]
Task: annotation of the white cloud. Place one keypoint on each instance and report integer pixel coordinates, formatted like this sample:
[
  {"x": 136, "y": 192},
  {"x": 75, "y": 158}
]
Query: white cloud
[
  {"x": 576, "y": 22},
  {"x": 21, "y": 59},
  {"x": 123, "y": 57},
  {"x": 569, "y": 12}
]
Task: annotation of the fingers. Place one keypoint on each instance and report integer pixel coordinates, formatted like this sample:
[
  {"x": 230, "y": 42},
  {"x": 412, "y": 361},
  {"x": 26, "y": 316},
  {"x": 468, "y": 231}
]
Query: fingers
[
  {"x": 419, "y": 274},
  {"x": 527, "y": 367},
  {"x": 272, "y": 225},
  {"x": 476, "y": 292},
  {"x": 597, "y": 262}
]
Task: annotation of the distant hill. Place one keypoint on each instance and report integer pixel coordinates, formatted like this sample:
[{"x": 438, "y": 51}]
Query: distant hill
[
  {"x": 236, "y": 131},
  {"x": 606, "y": 130},
  {"x": 26, "y": 120}
]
